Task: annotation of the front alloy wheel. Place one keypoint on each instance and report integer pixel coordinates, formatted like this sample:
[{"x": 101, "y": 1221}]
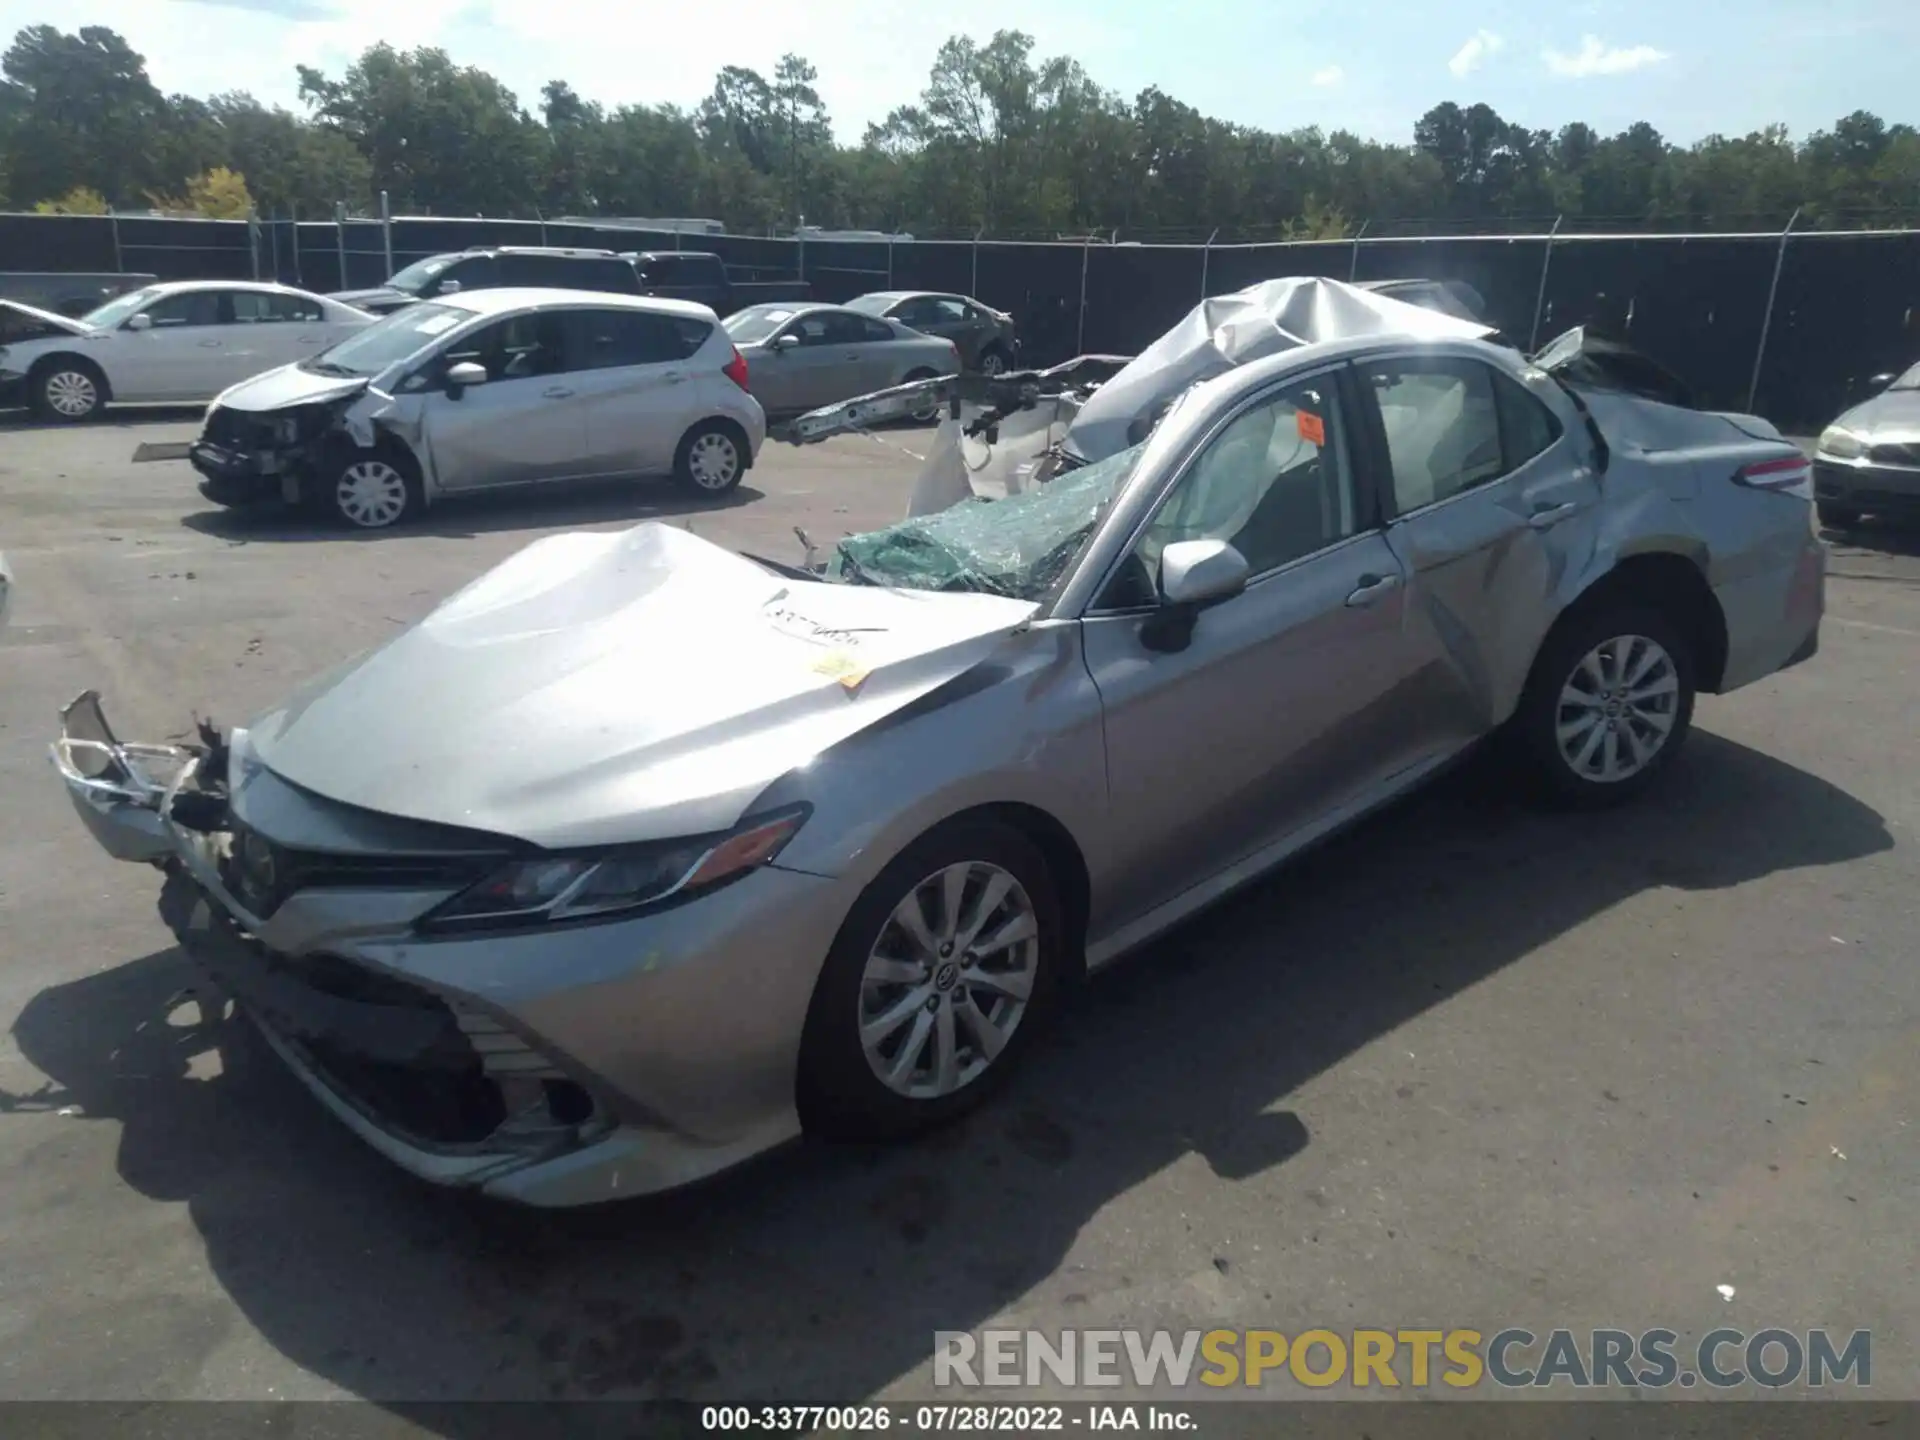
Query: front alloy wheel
[
  {"x": 992, "y": 363},
  {"x": 371, "y": 493},
  {"x": 69, "y": 394},
  {"x": 1617, "y": 709},
  {"x": 947, "y": 982},
  {"x": 947, "y": 966}
]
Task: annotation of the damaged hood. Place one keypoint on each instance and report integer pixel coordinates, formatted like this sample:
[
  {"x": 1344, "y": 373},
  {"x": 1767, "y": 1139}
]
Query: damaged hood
[
  {"x": 289, "y": 385},
  {"x": 1231, "y": 330},
  {"x": 15, "y": 316},
  {"x": 601, "y": 689}
]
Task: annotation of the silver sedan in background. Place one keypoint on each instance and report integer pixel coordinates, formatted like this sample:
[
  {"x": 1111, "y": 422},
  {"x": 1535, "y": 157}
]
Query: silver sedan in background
[
  {"x": 574, "y": 930},
  {"x": 805, "y": 356},
  {"x": 1869, "y": 459}
]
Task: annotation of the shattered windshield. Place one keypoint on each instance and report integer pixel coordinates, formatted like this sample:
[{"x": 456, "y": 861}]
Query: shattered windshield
[
  {"x": 1017, "y": 547},
  {"x": 389, "y": 341}
]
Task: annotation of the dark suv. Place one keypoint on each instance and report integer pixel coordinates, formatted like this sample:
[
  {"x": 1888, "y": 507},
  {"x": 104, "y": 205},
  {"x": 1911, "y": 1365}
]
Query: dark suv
[{"x": 494, "y": 267}]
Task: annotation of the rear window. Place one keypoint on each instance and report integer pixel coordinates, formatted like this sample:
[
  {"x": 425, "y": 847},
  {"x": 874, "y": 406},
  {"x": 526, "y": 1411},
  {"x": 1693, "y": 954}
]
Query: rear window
[{"x": 683, "y": 270}]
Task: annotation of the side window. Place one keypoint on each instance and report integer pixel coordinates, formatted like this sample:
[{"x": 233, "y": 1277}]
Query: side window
[
  {"x": 189, "y": 307},
  {"x": 812, "y": 330},
  {"x": 947, "y": 308},
  {"x": 536, "y": 270},
  {"x": 609, "y": 339},
  {"x": 846, "y": 328},
  {"x": 476, "y": 272},
  {"x": 874, "y": 331},
  {"x": 1442, "y": 426},
  {"x": 1527, "y": 428},
  {"x": 915, "y": 312},
  {"x": 256, "y": 307},
  {"x": 1276, "y": 484},
  {"x": 614, "y": 275},
  {"x": 690, "y": 335},
  {"x": 520, "y": 347}
]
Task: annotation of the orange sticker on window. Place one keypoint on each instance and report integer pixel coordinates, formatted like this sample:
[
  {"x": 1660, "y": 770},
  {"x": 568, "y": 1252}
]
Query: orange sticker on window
[{"x": 1313, "y": 429}]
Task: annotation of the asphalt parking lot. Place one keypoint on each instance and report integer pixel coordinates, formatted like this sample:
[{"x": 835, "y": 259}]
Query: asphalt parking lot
[{"x": 1471, "y": 1065}]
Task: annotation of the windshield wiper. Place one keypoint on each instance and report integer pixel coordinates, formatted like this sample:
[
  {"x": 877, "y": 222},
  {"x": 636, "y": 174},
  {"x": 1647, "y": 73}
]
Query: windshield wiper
[
  {"x": 329, "y": 367},
  {"x": 790, "y": 572}
]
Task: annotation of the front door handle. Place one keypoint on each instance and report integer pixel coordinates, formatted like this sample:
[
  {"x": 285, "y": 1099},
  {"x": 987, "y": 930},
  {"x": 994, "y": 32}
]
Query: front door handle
[
  {"x": 310, "y": 340},
  {"x": 673, "y": 377},
  {"x": 1547, "y": 515},
  {"x": 556, "y": 392},
  {"x": 1371, "y": 588},
  {"x": 850, "y": 355},
  {"x": 209, "y": 344}
]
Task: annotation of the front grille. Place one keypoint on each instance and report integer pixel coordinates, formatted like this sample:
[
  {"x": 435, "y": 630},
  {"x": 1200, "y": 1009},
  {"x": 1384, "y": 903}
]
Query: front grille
[
  {"x": 264, "y": 874},
  {"x": 235, "y": 429}
]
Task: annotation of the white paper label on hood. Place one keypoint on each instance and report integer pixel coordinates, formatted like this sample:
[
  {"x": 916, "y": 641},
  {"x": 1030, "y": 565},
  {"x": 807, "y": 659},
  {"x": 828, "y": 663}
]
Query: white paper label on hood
[
  {"x": 776, "y": 316},
  {"x": 438, "y": 324}
]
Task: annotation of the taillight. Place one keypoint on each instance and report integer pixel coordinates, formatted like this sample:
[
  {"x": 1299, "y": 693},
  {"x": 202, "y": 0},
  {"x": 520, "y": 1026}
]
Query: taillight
[
  {"x": 736, "y": 369},
  {"x": 1789, "y": 475}
]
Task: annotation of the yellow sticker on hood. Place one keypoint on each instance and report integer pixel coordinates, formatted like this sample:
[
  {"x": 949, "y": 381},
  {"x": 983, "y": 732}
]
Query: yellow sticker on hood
[{"x": 839, "y": 665}]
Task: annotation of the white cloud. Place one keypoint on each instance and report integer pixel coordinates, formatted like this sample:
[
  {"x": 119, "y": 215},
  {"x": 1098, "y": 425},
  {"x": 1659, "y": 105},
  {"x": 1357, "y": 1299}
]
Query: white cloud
[
  {"x": 1475, "y": 53},
  {"x": 1596, "y": 58},
  {"x": 1329, "y": 77}
]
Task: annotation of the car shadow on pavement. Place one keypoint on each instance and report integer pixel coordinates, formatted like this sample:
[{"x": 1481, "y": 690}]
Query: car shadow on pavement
[
  {"x": 1872, "y": 534},
  {"x": 460, "y": 518},
  {"x": 119, "y": 417},
  {"x": 822, "y": 1272}
]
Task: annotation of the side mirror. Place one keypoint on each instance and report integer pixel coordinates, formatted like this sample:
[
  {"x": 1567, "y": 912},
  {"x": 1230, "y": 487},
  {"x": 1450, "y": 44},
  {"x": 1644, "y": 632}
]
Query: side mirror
[
  {"x": 1881, "y": 382},
  {"x": 785, "y": 342},
  {"x": 1194, "y": 574},
  {"x": 462, "y": 377},
  {"x": 142, "y": 321}
]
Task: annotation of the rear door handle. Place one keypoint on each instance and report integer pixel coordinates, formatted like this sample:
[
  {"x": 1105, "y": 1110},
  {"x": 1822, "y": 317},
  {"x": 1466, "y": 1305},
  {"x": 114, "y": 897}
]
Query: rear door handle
[
  {"x": 556, "y": 392},
  {"x": 1544, "y": 516},
  {"x": 851, "y": 355},
  {"x": 310, "y": 340},
  {"x": 209, "y": 344},
  {"x": 1371, "y": 588},
  {"x": 673, "y": 377}
]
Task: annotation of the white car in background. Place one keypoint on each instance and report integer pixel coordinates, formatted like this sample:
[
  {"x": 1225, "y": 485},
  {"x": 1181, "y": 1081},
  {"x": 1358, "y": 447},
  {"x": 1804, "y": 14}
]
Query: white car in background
[{"x": 179, "y": 342}]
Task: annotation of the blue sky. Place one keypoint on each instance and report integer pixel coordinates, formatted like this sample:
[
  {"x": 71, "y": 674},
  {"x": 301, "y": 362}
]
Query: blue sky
[{"x": 1692, "y": 67}]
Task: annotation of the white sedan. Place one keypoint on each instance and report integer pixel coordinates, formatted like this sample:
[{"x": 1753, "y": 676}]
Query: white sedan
[{"x": 182, "y": 341}]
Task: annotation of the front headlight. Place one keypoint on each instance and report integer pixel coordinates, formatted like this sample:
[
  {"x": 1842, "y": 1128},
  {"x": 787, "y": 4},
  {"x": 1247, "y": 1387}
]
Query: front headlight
[
  {"x": 1841, "y": 444},
  {"x": 550, "y": 889}
]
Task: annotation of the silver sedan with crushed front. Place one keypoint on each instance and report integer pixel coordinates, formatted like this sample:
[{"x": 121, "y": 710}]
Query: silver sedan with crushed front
[{"x": 638, "y": 857}]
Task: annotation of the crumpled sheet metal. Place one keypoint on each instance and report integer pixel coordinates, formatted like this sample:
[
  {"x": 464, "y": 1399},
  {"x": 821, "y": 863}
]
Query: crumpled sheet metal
[{"x": 1231, "y": 330}]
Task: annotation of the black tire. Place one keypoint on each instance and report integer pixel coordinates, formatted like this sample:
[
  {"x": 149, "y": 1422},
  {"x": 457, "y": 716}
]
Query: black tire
[
  {"x": 840, "y": 1095},
  {"x": 61, "y": 381},
  {"x": 1585, "y": 631},
  {"x": 369, "y": 489},
  {"x": 700, "y": 463},
  {"x": 931, "y": 413},
  {"x": 1836, "y": 517}
]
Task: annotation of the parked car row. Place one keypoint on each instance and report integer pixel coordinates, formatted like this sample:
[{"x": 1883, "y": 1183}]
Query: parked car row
[
  {"x": 1295, "y": 559},
  {"x": 694, "y": 275}
]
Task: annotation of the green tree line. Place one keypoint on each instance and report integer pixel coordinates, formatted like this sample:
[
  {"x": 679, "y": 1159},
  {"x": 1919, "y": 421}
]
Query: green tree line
[{"x": 1000, "y": 140}]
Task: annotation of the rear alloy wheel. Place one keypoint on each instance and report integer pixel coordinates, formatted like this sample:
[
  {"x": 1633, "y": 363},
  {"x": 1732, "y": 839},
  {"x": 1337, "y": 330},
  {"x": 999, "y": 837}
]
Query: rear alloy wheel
[
  {"x": 930, "y": 412},
  {"x": 711, "y": 459},
  {"x": 1610, "y": 701},
  {"x": 372, "y": 492},
  {"x": 69, "y": 392},
  {"x": 945, "y": 969}
]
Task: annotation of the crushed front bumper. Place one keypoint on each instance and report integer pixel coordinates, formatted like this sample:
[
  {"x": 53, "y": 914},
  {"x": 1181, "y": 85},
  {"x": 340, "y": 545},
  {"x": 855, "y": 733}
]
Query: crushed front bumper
[
  {"x": 426, "y": 1051},
  {"x": 242, "y": 477}
]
